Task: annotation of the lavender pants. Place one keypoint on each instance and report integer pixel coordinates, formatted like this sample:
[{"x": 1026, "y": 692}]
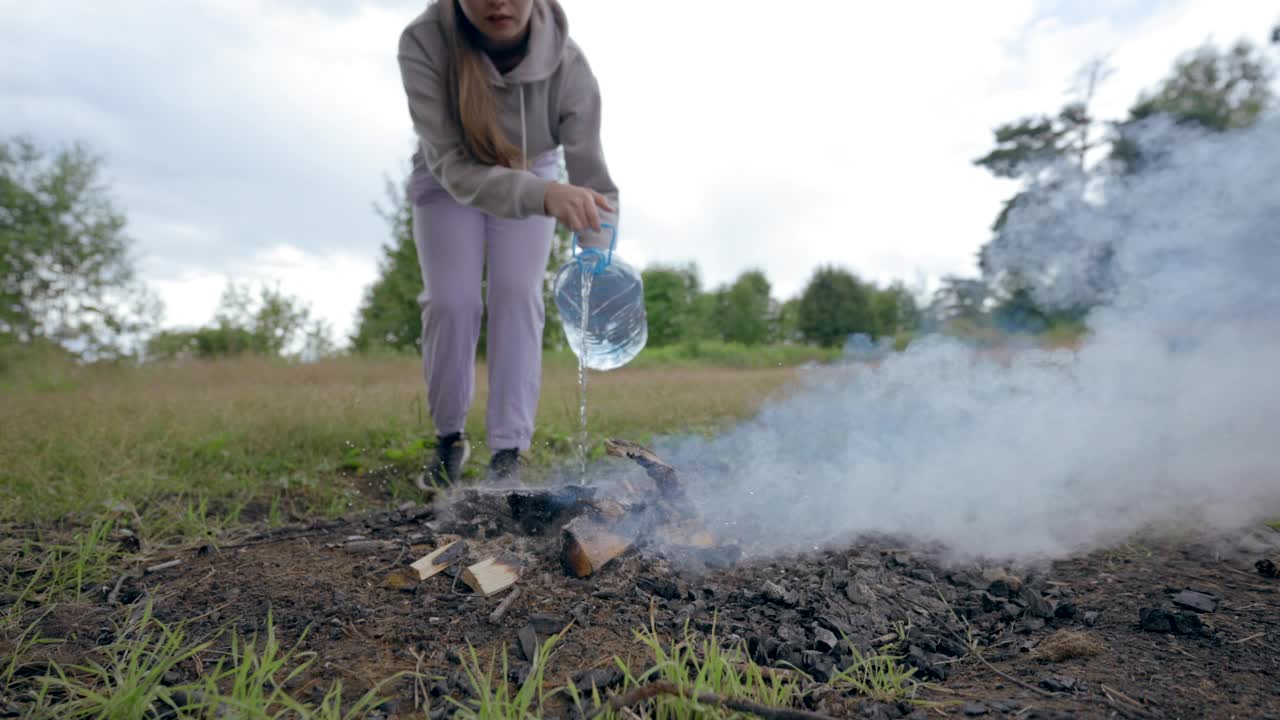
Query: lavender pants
[{"x": 454, "y": 242}]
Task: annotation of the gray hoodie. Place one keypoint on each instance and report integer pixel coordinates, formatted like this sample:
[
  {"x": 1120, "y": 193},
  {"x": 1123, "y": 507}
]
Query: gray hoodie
[{"x": 550, "y": 99}]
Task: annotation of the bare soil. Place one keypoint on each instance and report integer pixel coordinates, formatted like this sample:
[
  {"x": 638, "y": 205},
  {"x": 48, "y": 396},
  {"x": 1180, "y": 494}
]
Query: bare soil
[{"x": 879, "y": 593}]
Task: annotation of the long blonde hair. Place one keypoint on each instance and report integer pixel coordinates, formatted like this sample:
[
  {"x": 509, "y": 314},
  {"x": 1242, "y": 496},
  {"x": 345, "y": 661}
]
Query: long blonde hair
[{"x": 469, "y": 93}]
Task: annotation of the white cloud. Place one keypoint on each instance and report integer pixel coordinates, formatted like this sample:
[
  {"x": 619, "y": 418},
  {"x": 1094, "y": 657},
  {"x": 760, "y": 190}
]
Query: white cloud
[
  {"x": 754, "y": 134},
  {"x": 332, "y": 284}
]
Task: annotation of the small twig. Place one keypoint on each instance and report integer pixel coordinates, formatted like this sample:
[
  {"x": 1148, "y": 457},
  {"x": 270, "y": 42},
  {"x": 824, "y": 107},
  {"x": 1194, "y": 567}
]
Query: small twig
[
  {"x": 114, "y": 596},
  {"x": 886, "y": 638},
  {"x": 645, "y": 693},
  {"x": 496, "y": 616},
  {"x": 1254, "y": 636},
  {"x": 262, "y": 539},
  {"x": 164, "y": 565},
  {"x": 1115, "y": 694},
  {"x": 1013, "y": 679}
]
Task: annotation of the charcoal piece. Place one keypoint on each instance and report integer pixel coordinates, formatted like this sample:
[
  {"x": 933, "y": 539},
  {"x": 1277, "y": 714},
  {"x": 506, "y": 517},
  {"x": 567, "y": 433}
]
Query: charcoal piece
[
  {"x": 1267, "y": 569},
  {"x": 1006, "y": 587},
  {"x": 1185, "y": 623},
  {"x": 519, "y": 673},
  {"x": 538, "y": 511},
  {"x": 791, "y": 634},
  {"x": 601, "y": 678},
  {"x": 1030, "y": 625},
  {"x": 824, "y": 640},
  {"x": 929, "y": 667},
  {"x": 1011, "y": 612},
  {"x": 1036, "y": 604},
  {"x": 835, "y": 625},
  {"x": 789, "y": 654},
  {"x": 662, "y": 587},
  {"x": 1198, "y": 601},
  {"x": 775, "y": 594},
  {"x": 528, "y": 638},
  {"x": 1059, "y": 683},
  {"x": 771, "y": 646},
  {"x": 1065, "y": 611},
  {"x": 817, "y": 665},
  {"x": 581, "y": 614},
  {"x": 1177, "y": 623},
  {"x": 547, "y": 624}
]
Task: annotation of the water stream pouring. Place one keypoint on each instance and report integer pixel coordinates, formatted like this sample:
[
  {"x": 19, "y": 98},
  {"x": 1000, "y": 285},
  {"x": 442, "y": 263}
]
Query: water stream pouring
[{"x": 601, "y": 304}]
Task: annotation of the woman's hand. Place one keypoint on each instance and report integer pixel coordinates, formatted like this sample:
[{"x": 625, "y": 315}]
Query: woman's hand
[{"x": 577, "y": 208}]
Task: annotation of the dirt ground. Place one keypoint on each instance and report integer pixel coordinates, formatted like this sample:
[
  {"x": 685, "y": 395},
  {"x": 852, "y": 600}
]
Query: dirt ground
[{"x": 1063, "y": 640}]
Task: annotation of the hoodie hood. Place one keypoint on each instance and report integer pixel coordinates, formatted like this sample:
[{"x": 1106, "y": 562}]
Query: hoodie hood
[{"x": 548, "y": 38}]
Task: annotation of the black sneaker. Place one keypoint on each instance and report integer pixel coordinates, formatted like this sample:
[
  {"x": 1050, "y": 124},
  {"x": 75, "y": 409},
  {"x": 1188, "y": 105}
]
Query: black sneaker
[
  {"x": 445, "y": 468},
  {"x": 505, "y": 465}
]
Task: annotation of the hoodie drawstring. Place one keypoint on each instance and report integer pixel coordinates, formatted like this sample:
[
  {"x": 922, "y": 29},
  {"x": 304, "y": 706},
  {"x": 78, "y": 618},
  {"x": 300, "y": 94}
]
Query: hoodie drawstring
[{"x": 524, "y": 145}]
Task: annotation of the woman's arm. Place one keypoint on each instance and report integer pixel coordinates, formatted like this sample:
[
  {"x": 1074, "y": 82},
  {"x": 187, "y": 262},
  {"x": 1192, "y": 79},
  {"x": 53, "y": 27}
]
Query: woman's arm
[
  {"x": 501, "y": 191},
  {"x": 580, "y": 135}
]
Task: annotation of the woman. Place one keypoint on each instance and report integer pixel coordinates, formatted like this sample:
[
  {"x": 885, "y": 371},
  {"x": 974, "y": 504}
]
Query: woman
[{"x": 494, "y": 87}]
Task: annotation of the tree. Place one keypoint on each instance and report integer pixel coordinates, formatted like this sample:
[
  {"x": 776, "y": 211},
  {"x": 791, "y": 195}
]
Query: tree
[
  {"x": 389, "y": 315},
  {"x": 744, "y": 309},
  {"x": 1040, "y": 265},
  {"x": 834, "y": 305},
  {"x": 786, "y": 326},
  {"x": 960, "y": 298},
  {"x": 1208, "y": 88},
  {"x": 894, "y": 308},
  {"x": 670, "y": 294},
  {"x": 65, "y": 270},
  {"x": 271, "y": 324}
]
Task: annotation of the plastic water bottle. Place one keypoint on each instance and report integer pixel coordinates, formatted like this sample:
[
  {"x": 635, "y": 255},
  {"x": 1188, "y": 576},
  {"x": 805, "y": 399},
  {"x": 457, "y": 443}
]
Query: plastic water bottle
[{"x": 614, "y": 328}]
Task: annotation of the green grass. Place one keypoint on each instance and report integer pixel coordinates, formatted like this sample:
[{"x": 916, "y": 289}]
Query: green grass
[
  {"x": 248, "y": 679},
  {"x": 700, "y": 664},
  {"x": 252, "y": 677},
  {"x": 714, "y": 353},
  {"x": 880, "y": 677},
  {"x": 193, "y": 447},
  {"x": 171, "y": 456},
  {"x": 52, "y": 572},
  {"x": 491, "y": 695},
  {"x": 693, "y": 664}
]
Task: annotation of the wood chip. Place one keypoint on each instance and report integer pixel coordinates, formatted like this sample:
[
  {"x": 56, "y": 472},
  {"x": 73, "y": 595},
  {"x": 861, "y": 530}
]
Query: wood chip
[
  {"x": 441, "y": 558},
  {"x": 589, "y": 545},
  {"x": 494, "y": 574}
]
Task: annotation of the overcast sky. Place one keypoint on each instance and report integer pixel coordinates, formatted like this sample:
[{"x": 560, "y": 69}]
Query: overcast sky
[{"x": 249, "y": 139}]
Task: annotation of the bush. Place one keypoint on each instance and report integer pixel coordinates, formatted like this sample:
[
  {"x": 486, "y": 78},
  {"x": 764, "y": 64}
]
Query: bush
[{"x": 733, "y": 355}]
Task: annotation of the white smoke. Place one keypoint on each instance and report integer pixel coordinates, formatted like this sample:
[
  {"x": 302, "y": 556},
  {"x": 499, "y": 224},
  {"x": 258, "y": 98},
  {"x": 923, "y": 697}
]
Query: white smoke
[{"x": 1170, "y": 411}]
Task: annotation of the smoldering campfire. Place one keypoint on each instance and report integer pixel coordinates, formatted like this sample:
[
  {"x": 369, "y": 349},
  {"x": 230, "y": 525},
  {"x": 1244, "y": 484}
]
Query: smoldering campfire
[{"x": 501, "y": 570}]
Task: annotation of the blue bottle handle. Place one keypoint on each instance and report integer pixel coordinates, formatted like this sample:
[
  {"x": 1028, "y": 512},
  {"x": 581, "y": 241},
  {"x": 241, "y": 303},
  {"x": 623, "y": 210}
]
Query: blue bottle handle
[{"x": 602, "y": 260}]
